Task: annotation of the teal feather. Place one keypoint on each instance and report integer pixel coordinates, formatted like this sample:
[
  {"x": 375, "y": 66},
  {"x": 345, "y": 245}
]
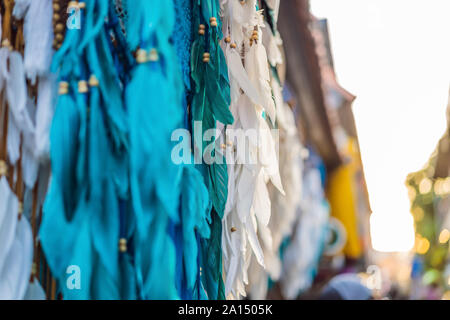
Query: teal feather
[
  {"x": 210, "y": 103},
  {"x": 82, "y": 203},
  {"x": 194, "y": 208},
  {"x": 155, "y": 87}
]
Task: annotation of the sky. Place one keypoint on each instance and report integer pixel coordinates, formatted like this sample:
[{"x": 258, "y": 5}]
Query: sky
[{"x": 394, "y": 55}]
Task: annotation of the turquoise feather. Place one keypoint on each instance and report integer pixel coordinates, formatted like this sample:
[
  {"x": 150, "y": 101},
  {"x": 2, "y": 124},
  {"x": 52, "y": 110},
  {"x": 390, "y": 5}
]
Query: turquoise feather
[
  {"x": 210, "y": 104},
  {"x": 82, "y": 203}
]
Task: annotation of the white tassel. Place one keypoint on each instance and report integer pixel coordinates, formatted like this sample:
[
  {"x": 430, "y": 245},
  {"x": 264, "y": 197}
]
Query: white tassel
[
  {"x": 9, "y": 205},
  {"x": 302, "y": 254},
  {"x": 46, "y": 102},
  {"x": 20, "y": 8},
  {"x": 4, "y": 74},
  {"x": 35, "y": 291},
  {"x": 38, "y": 35},
  {"x": 15, "y": 275},
  {"x": 248, "y": 205},
  {"x": 30, "y": 165}
]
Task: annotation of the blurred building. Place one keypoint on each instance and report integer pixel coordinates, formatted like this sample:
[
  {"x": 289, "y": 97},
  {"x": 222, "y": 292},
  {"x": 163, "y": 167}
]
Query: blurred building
[
  {"x": 429, "y": 192},
  {"x": 325, "y": 116}
]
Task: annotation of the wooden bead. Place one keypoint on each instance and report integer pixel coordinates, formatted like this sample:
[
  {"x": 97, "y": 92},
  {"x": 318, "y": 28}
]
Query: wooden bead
[
  {"x": 123, "y": 245},
  {"x": 6, "y": 43},
  {"x": 213, "y": 22},
  {"x": 233, "y": 229},
  {"x": 227, "y": 39},
  {"x": 3, "y": 168},
  {"x": 59, "y": 37},
  {"x": 233, "y": 45},
  {"x": 63, "y": 88},
  {"x": 93, "y": 81},
  {"x": 59, "y": 27},
  {"x": 82, "y": 5},
  {"x": 73, "y": 4},
  {"x": 141, "y": 56},
  {"x": 206, "y": 57},
  {"x": 83, "y": 86},
  {"x": 153, "y": 55}
]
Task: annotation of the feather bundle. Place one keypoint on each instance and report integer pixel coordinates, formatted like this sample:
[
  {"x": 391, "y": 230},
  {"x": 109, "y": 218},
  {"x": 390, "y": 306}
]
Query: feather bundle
[
  {"x": 210, "y": 107},
  {"x": 248, "y": 204},
  {"x": 88, "y": 157}
]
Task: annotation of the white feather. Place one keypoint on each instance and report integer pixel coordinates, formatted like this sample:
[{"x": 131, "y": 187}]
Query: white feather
[
  {"x": 35, "y": 291},
  {"x": 38, "y": 35},
  {"x": 46, "y": 101},
  {"x": 9, "y": 205},
  {"x": 16, "y": 271}
]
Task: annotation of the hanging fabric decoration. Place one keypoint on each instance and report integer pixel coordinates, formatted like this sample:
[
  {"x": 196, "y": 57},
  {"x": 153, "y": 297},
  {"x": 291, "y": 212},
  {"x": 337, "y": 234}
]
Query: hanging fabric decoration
[
  {"x": 98, "y": 199},
  {"x": 301, "y": 257},
  {"x": 88, "y": 155},
  {"x": 16, "y": 254},
  {"x": 248, "y": 204},
  {"x": 158, "y": 186},
  {"x": 284, "y": 206},
  {"x": 209, "y": 110}
]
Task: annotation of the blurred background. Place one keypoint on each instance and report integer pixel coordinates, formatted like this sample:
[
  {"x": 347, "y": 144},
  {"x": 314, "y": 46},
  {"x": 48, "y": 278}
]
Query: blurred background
[{"x": 373, "y": 76}]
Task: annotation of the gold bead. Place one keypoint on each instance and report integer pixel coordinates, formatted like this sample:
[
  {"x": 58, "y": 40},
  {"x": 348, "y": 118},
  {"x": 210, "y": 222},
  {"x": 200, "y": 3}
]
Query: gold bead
[
  {"x": 59, "y": 27},
  {"x": 72, "y": 4},
  {"x": 123, "y": 245},
  {"x": 93, "y": 81},
  {"x": 59, "y": 37},
  {"x": 63, "y": 88},
  {"x": 83, "y": 86},
  {"x": 206, "y": 57},
  {"x": 6, "y": 43},
  {"x": 153, "y": 55},
  {"x": 141, "y": 56},
  {"x": 3, "y": 168},
  {"x": 34, "y": 269}
]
